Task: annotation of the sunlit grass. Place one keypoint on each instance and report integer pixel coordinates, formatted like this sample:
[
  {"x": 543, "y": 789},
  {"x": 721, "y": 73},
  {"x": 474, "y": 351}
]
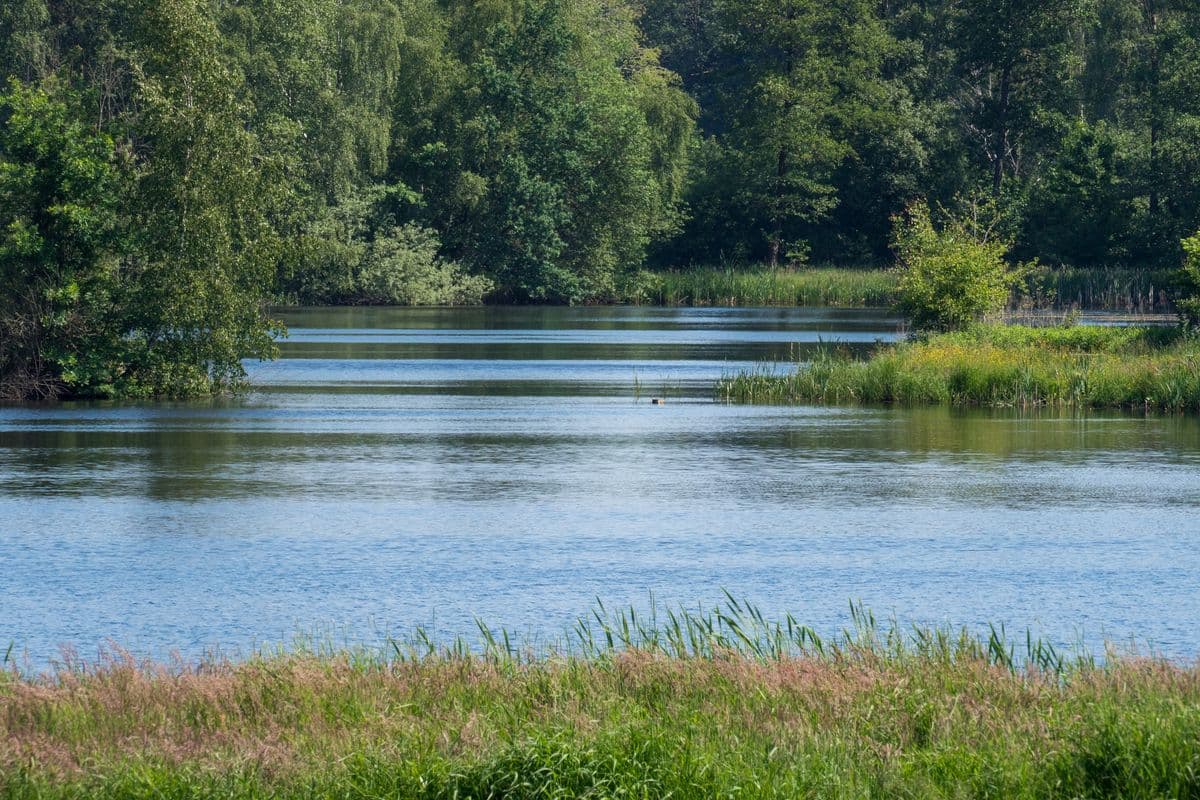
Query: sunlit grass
[
  {"x": 669, "y": 704},
  {"x": 1151, "y": 369}
]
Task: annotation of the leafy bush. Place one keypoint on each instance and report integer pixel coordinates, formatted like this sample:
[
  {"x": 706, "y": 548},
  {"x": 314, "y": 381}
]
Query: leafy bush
[
  {"x": 951, "y": 277},
  {"x": 1189, "y": 300},
  {"x": 354, "y": 253},
  {"x": 402, "y": 267}
]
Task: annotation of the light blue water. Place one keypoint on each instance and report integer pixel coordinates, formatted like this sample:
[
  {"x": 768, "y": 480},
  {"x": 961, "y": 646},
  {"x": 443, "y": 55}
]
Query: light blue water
[{"x": 402, "y": 468}]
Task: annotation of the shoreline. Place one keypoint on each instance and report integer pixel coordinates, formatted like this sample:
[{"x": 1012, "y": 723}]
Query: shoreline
[{"x": 1138, "y": 292}]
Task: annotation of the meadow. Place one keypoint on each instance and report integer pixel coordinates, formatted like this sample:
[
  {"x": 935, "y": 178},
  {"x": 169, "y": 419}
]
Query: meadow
[
  {"x": 1140, "y": 368},
  {"x": 688, "y": 705}
]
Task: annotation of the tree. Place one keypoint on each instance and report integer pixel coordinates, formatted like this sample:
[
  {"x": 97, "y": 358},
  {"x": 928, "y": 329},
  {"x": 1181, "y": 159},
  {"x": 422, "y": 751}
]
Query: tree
[
  {"x": 1080, "y": 210},
  {"x": 1013, "y": 59},
  {"x": 203, "y": 253},
  {"x": 147, "y": 276},
  {"x": 810, "y": 142},
  {"x": 59, "y": 193},
  {"x": 558, "y": 155},
  {"x": 1142, "y": 78},
  {"x": 795, "y": 56}
]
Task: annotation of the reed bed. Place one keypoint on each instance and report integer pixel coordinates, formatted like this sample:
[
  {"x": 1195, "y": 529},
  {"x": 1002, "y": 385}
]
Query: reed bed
[
  {"x": 1135, "y": 291},
  {"x": 674, "y": 704},
  {"x": 1145, "y": 369},
  {"x": 816, "y": 286}
]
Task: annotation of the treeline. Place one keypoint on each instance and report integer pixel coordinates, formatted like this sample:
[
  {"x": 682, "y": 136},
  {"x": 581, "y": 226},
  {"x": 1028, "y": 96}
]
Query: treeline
[
  {"x": 169, "y": 166},
  {"x": 821, "y": 120}
]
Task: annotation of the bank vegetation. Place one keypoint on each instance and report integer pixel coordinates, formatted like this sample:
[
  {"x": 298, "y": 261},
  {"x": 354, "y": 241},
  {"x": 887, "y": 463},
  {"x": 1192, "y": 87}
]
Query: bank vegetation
[{"x": 684, "y": 705}]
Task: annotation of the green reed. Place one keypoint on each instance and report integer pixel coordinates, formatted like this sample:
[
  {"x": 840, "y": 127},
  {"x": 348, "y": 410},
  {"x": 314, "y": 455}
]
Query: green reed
[
  {"x": 1145, "y": 369},
  {"x": 815, "y": 286}
]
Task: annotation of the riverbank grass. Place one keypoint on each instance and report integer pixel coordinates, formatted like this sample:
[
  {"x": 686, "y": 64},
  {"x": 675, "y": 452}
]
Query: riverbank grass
[
  {"x": 1156, "y": 369},
  {"x": 724, "y": 705}
]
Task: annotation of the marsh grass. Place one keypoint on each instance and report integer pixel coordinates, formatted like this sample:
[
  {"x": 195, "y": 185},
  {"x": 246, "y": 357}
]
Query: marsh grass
[
  {"x": 1146, "y": 369},
  {"x": 1142, "y": 291},
  {"x": 666, "y": 703},
  {"x": 815, "y": 286}
]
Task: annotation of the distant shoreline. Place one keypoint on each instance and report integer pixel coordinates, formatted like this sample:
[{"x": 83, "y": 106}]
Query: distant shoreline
[{"x": 1141, "y": 293}]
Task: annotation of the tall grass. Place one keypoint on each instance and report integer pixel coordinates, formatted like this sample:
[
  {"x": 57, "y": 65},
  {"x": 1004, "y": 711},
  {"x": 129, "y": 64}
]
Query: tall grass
[
  {"x": 821, "y": 286},
  {"x": 1149, "y": 369},
  {"x": 1142, "y": 291},
  {"x": 668, "y": 703},
  {"x": 1102, "y": 289}
]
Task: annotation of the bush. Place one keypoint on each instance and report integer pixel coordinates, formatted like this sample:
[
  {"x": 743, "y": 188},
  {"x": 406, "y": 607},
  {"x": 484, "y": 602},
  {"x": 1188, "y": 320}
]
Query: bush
[
  {"x": 951, "y": 277},
  {"x": 402, "y": 267},
  {"x": 1188, "y": 303}
]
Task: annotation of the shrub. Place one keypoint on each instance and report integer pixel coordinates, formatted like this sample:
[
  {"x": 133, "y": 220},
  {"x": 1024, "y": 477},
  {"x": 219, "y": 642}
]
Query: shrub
[
  {"x": 402, "y": 267},
  {"x": 951, "y": 277},
  {"x": 1188, "y": 303}
]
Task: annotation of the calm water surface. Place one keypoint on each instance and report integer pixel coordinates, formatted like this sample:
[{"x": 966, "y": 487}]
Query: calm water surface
[{"x": 398, "y": 468}]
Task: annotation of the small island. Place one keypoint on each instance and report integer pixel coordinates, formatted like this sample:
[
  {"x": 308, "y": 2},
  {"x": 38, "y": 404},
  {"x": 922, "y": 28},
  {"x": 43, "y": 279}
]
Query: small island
[{"x": 951, "y": 280}]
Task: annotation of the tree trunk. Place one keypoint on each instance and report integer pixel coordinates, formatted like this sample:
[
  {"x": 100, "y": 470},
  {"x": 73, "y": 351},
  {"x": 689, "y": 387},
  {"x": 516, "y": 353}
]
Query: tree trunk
[
  {"x": 781, "y": 169},
  {"x": 1155, "y": 114},
  {"x": 776, "y": 242},
  {"x": 1001, "y": 131}
]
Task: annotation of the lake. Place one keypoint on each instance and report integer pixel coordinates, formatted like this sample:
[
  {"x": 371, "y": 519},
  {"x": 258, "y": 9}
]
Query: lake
[{"x": 423, "y": 467}]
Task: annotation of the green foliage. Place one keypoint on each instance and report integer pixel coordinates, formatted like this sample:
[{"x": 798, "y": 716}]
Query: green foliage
[
  {"x": 1013, "y": 60},
  {"x": 142, "y": 253},
  {"x": 315, "y": 150},
  {"x": 559, "y": 151},
  {"x": 952, "y": 277},
  {"x": 799, "y": 94},
  {"x": 1079, "y": 213},
  {"x": 60, "y": 188},
  {"x": 1189, "y": 301},
  {"x": 354, "y": 254},
  {"x": 402, "y": 267},
  {"x": 202, "y": 238}
]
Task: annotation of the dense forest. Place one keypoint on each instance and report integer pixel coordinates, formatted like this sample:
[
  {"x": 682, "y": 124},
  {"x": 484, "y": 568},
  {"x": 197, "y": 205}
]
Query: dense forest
[{"x": 168, "y": 167}]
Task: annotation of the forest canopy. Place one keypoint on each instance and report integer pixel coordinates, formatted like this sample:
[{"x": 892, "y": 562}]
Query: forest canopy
[{"x": 168, "y": 168}]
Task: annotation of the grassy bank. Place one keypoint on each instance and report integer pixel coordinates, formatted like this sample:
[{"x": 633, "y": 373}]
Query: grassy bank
[
  {"x": 690, "y": 707},
  {"x": 1128, "y": 290},
  {"x": 1015, "y": 366}
]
